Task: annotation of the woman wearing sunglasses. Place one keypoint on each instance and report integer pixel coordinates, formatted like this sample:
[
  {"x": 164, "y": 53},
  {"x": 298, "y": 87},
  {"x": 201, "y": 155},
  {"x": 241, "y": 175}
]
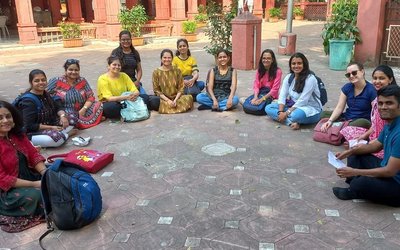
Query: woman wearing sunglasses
[
  {"x": 357, "y": 95},
  {"x": 77, "y": 96}
]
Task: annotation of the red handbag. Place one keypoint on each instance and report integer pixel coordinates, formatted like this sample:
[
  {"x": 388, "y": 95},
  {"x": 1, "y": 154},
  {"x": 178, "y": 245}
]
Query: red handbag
[
  {"x": 332, "y": 135},
  {"x": 90, "y": 160}
]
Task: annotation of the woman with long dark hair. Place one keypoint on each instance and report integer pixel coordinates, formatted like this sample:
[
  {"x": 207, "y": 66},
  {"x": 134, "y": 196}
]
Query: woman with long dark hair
[
  {"x": 45, "y": 120},
  {"x": 299, "y": 100},
  {"x": 21, "y": 167},
  {"x": 266, "y": 84}
]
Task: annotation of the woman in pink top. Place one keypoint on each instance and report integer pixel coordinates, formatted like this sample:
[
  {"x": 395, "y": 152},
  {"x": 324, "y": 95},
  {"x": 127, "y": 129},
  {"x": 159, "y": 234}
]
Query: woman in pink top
[
  {"x": 381, "y": 77},
  {"x": 266, "y": 84}
]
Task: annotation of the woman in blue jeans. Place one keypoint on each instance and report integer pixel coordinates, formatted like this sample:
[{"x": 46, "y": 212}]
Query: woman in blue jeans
[{"x": 299, "y": 100}]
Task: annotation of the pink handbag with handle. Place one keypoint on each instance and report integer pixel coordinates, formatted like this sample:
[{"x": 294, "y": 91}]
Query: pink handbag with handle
[{"x": 332, "y": 135}]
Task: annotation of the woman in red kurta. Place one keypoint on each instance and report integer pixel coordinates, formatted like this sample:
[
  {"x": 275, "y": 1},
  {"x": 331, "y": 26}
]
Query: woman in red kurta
[{"x": 20, "y": 173}]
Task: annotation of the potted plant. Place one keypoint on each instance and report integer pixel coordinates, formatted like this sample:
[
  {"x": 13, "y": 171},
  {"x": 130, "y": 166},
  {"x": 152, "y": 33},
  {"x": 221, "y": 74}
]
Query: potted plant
[
  {"x": 189, "y": 30},
  {"x": 201, "y": 18},
  {"x": 298, "y": 13},
  {"x": 219, "y": 30},
  {"x": 71, "y": 34},
  {"x": 274, "y": 14},
  {"x": 340, "y": 33},
  {"x": 133, "y": 20}
]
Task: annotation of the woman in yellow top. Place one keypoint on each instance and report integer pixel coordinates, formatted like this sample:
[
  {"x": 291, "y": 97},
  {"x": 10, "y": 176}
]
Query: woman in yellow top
[
  {"x": 168, "y": 85},
  {"x": 188, "y": 66},
  {"x": 110, "y": 87}
]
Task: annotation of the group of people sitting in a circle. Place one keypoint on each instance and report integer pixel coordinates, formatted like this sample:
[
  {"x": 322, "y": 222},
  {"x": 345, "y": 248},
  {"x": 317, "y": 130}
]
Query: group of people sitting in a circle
[{"x": 50, "y": 111}]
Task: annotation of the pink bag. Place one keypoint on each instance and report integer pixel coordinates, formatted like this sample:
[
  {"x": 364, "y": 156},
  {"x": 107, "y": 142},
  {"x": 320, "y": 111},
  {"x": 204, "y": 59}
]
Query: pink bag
[{"x": 332, "y": 135}]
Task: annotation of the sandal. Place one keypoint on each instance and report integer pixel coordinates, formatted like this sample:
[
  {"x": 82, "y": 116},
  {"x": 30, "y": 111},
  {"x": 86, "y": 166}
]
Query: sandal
[{"x": 81, "y": 141}]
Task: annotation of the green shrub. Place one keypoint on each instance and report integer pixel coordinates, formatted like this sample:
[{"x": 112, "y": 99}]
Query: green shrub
[
  {"x": 133, "y": 19},
  {"x": 70, "y": 30},
  {"x": 201, "y": 18},
  {"x": 189, "y": 27},
  {"x": 275, "y": 12},
  {"x": 297, "y": 11}
]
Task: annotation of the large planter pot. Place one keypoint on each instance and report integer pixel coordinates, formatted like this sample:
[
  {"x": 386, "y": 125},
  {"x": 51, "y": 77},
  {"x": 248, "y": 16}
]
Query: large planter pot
[
  {"x": 137, "y": 41},
  {"x": 190, "y": 37},
  {"x": 273, "y": 19},
  {"x": 299, "y": 17},
  {"x": 340, "y": 53},
  {"x": 73, "y": 42}
]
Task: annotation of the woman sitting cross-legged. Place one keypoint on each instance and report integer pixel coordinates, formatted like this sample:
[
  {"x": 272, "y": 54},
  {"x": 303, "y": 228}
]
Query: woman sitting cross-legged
[
  {"x": 299, "y": 100},
  {"x": 112, "y": 85},
  {"x": 21, "y": 167},
  {"x": 221, "y": 86},
  {"x": 83, "y": 111},
  {"x": 357, "y": 95},
  {"x": 168, "y": 85},
  {"x": 188, "y": 66},
  {"x": 45, "y": 120},
  {"x": 266, "y": 84}
]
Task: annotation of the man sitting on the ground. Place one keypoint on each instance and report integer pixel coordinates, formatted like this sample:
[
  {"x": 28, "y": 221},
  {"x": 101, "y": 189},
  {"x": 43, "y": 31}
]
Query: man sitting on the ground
[{"x": 370, "y": 178}]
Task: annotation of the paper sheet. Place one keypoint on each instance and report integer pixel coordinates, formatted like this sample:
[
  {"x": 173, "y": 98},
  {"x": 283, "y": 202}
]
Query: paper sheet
[
  {"x": 335, "y": 161},
  {"x": 356, "y": 142}
]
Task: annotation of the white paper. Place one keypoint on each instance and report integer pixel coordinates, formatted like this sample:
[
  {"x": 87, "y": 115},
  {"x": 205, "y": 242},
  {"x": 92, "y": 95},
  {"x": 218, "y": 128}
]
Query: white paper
[
  {"x": 356, "y": 142},
  {"x": 335, "y": 161}
]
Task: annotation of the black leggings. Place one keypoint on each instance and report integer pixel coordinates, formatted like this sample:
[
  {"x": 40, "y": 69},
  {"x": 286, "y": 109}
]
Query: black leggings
[
  {"x": 113, "y": 109},
  {"x": 380, "y": 190}
]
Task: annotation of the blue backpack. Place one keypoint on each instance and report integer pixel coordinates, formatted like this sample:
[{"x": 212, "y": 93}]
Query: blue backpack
[
  {"x": 33, "y": 98},
  {"x": 323, "y": 98},
  {"x": 71, "y": 197}
]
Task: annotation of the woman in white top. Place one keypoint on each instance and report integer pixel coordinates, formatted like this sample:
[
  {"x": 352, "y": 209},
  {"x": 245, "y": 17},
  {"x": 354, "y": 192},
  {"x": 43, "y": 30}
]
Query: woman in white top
[{"x": 299, "y": 99}]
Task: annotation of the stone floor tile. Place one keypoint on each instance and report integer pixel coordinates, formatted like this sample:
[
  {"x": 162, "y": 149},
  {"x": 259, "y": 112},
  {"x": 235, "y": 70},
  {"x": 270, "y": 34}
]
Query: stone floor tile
[
  {"x": 235, "y": 192},
  {"x": 301, "y": 229},
  {"x": 234, "y": 224},
  {"x": 375, "y": 234},
  {"x": 396, "y": 216},
  {"x": 238, "y": 168},
  {"x": 202, "y": 204},
  {"x": 122, "y": 237},
  {"x": 192, "y": 242},
  {"x": 332, "y": 212},
  {"x": 142, "y": 203},
  {"x": 266, "y": 246},
  {"x": 107, "y": 174},
  {"x": 297, "y": 196},
  {"x": 165, "y": 220}
]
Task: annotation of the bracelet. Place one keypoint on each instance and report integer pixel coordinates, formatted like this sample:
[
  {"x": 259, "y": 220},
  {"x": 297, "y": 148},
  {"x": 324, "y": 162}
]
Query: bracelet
[
  {"x": 62, "y": 115},
  {"x": 330, "y": 121},
  {"x": 288, "y": 111},
  {"x": 85, "y": 107}
]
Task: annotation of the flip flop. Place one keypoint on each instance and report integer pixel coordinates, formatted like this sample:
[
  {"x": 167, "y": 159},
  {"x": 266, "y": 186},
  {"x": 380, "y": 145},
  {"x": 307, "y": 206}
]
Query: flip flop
[{"x": 81, "y": 141}]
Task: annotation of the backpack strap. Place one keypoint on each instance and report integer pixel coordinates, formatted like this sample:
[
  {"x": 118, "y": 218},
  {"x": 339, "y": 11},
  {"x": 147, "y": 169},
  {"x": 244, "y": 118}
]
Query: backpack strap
[
  {"x": 49, "y": 230},
  {"x": 51, "y": 158},
  {"x": 31, "y": 97},
  {"x": 291, "y": 78}
]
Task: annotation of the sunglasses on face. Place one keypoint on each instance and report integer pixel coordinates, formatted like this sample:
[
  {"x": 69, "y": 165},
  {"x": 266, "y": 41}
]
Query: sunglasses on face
[
  {"x": 353, "y": 73},
  {"x": 72, "y": 61}
]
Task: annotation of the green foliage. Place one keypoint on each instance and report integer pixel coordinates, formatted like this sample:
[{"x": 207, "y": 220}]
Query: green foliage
[
  {"x": 201, "y": 18},
  {"x": 189, "y": 27},
  {"x": 343, "y": 23},
  {"x": 202, "y": 9},
  {"x": 297, "y": 11},
  {"x": 133, "y": 19},
  {"x": 275, "y": 12},
  {"x": 219, "y": 30},
  {"x": 70, "y": 30}
]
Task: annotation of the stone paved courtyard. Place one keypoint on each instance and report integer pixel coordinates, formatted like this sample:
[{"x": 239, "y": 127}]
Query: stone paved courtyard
[{"x": 207, "y": 180}]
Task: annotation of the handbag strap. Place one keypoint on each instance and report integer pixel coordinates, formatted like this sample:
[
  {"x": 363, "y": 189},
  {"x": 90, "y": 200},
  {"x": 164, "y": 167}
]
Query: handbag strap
[{"x": 51, "y": 158}]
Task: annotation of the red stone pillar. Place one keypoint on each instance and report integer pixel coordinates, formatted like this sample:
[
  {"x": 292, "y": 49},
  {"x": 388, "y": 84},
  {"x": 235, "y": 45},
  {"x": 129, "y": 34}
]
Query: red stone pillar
[
  {"x": 329, "y": 8},
  {"x": 202, "y": 2},
  {"x": 27, "y": 30},
  {"x": 55, "y": 9},
  {"x": 370, "y": 20},
  {"x": 100, "y": 18},
  {"x": 89, "y": 13},
  {"x": 74, "y": 11},
  {"x": 113, "y": 26},
  {"x": 163, "y": 10},
  {"x": 246, "y": 41},
  {"x": 131, "y": 3},
  {"x": 178, "y": 15},
  {"x": 257, "y": 9},
  {"x": 192, "y": 9}
]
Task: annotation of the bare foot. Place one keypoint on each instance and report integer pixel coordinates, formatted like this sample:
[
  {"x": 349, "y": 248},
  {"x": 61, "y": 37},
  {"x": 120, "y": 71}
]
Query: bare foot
[
  {"x": 73, "y": 132},
  {"x": 295, "y": 126}
]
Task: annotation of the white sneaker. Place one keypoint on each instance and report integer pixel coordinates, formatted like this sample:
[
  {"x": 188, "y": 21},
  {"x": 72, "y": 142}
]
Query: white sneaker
[
  {"x": 81, "y": 141},
  {"x": 242, "y": 100}
]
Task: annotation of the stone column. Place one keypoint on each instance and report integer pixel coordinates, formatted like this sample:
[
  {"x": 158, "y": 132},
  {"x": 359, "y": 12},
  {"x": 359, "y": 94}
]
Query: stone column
[
  {"x": 100, "y": 18},
  {"x": 202, "y": 2},
  {"x": 370, "y": 20},
  {"x": 55, "y": 9},
  {"x": 178, "y": 15},
  {"x": 89, "y": 17},
  {"x": 113, "y": 26},
  {"x": 163, "y": 10},
  {"x": 131, "y": 3},
  {"x": 74, "y": 11},
  {"x": 27, "y": 30},
  {"x": 257, "y": 8},
  {"x": 192, "y": 9}
]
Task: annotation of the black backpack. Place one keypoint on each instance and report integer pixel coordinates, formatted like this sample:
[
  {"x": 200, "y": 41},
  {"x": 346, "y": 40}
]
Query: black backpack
[
  {"x": 71, "y": 197},
  {"x": 323, "y": 98}
]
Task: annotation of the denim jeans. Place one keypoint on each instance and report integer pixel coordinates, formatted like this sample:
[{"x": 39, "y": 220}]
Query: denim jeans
[
  {"x": 204, "y": 99},
  {"x": 297, "y": 115}
]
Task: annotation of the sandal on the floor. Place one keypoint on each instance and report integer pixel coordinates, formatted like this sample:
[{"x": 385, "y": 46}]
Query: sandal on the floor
[{"x": 81, "y": 141}]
